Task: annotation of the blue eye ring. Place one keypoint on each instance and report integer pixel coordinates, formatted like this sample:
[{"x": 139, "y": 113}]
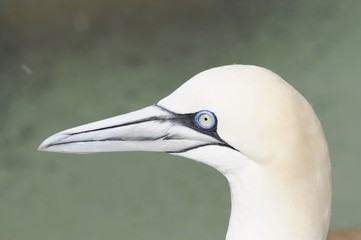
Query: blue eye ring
[{"x": 205, "y": 119}]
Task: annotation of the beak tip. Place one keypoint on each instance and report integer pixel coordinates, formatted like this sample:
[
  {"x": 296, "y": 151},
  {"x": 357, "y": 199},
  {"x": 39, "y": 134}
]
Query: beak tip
[
  {"x": 47, "y": 144},
  {"x": 43, "y": 147}
]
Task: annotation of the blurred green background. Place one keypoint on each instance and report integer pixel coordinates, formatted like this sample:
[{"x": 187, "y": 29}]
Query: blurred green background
[{"x": 64, "y": 63}]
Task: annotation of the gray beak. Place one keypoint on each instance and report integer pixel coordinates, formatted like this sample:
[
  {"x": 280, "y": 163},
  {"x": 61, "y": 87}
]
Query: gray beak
[{"x": 150, "y": 129}]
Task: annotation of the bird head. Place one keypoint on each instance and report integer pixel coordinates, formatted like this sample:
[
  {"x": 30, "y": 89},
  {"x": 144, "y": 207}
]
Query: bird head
[{"x": 235, "y": 110}]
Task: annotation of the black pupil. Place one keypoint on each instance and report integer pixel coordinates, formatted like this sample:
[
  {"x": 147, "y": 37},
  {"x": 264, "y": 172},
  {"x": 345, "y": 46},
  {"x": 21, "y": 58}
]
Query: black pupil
[{"x": 205, "y": 119}]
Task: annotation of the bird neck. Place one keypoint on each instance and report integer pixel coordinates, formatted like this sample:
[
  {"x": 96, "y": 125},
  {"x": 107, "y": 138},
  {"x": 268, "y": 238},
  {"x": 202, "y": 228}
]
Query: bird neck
[
  {"x": 261, "y": 210},
  {"x": 281, "y": 200}
]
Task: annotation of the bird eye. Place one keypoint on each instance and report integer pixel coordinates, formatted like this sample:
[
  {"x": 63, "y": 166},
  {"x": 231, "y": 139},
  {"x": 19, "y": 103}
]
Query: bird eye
[{"x": 205, "y": 119}]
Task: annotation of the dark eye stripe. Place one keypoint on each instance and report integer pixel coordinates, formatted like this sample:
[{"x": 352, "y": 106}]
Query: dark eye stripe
[{"x": 188, "y": 120}]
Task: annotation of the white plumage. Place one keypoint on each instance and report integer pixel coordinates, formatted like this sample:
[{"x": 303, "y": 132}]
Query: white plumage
[{"x": 250, "y": 125}]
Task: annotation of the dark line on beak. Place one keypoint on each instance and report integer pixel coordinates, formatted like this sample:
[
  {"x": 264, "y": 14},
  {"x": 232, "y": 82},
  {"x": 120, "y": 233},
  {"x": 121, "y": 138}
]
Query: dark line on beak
[
  {"x": 203, "y": 145},
  {"x": 155, "y": 118},
  {"x": 119, "y": 125},
  {"x": 139, "y": 139}
]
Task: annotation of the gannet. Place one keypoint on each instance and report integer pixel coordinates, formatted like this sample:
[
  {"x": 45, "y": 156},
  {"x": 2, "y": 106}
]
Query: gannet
[{"x": 250, "y": 125}]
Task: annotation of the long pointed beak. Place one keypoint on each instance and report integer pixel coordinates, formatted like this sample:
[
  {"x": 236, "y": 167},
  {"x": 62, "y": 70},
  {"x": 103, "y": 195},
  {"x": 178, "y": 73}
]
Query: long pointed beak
[{"x": 150, "y": 129}]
